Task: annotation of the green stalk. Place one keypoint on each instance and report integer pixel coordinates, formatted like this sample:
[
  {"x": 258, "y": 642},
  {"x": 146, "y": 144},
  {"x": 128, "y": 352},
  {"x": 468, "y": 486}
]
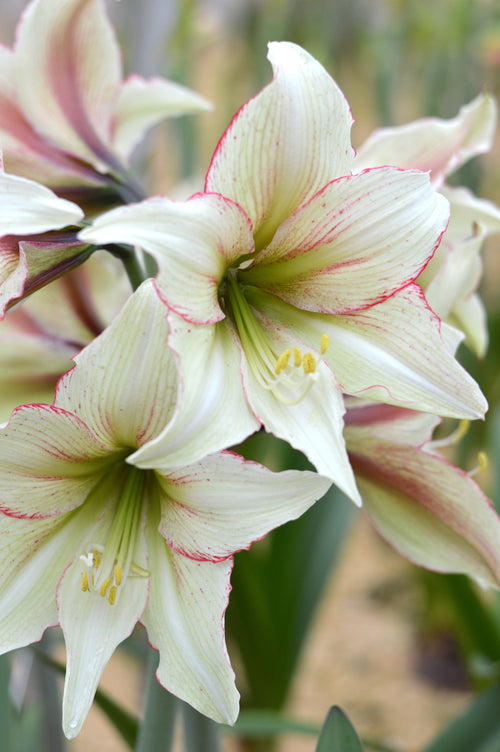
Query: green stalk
[{"x": 156, "y": 732}]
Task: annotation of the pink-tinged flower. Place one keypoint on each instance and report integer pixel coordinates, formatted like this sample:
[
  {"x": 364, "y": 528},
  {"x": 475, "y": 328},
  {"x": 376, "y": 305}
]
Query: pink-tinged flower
[
  {"x": 426, "y": 508},
  {"x": 451, "y": 278},
  {"x": 31, "y": 253},
  {"x": 67, "y": 118},
  {"x": 39, "y": 337},
  {"x": 302, "y": 269},
  {"x": 95, "y": 544}
]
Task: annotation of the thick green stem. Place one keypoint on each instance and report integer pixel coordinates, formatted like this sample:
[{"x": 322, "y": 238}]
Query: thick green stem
[
  {"x": 201, "y": 734},
  {"x": 156, "y": 732},
  {"x": 136, "y": 271}
]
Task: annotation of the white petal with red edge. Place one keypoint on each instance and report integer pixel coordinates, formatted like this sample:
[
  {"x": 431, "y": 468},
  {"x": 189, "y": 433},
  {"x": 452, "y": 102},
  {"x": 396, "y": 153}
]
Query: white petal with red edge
[
  {"x": 223, "y": 503},
  {"x": 49, "y": 462},
  {"x": 213, "y": 412},
  {"x": 68, "y": 73},
  {"x": 185, "y": 622},
  {"x": 124, "y": 384},
  {"x": 193, "y": 243},
  {"x": 27, "y": 207},
  {"x": 392, "y": 352},
  {"x": 284, "y": 144},
  {"x": 429, "y": 510},
  {"x": 355, "y": 243},
  {"x": 440, "y": 146},
  {"x": 143, "y": 103}
]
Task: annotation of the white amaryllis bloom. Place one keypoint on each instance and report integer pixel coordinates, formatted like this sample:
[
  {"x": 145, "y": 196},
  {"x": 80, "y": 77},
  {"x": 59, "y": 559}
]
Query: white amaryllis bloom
[
  {"x": 66, "y": 115},
  {"x": 452, "y": 276},
  {"x": 303, "y": 269},
  {"x": 96, "y": 544},
  {"x": 429, "y": 510}
]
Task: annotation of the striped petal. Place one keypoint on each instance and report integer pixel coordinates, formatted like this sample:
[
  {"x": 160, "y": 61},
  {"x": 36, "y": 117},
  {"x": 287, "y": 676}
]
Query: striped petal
[{"x": 285, "y": 144}]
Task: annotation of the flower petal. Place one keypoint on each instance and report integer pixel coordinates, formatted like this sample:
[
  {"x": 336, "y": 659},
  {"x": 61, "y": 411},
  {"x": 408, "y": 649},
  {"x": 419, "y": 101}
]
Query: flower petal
[
  {"x": 185, "y": 622},
  {"x": 222, "y": 504},
  {"x": 470, "y": 316},
  {"x": 193, "y": 243},
  {"x": 365, "y": 420},
  {"x": 141, "y": 104},
  {"x": 285, "y": 144},
  {"x": 355, "y": 243},
  {"x": 124, "y": 384},
  {"x": 49, "y": 462},
  {"x": 28, "y": 207},
  {"x": 392, "y": 352},
  {"x": 213, "y": 412},
  {"x": 467, "y": 211},
  {"x": 440, "y": 146},
  {"x": 92, "y": 627},
  {"x": 68, "y": 75},
  {"x": 429, "y": 510}
]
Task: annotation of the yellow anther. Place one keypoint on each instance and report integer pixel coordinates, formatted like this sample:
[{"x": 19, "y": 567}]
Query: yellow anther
[
  {"x": 282, "y": 362},
  {"x": 309, "y": 363},
  {"x": 104, "y": 587},
  {"x": 462, "y": 429},
  {"x": 112, "y": 595},
  {"x": 483, "y": 461},
  {"x": 85, "y": 582},
  {"x": 97, "y": 559},
  {"x": 118, "y": 574},
  {"x": 325, "y": 339},
  {"x": 297, "y": 355}
]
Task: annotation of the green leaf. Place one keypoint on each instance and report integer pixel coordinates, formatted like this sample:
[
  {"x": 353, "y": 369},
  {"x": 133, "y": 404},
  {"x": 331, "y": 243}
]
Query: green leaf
[
  {"x": 156, "y": 732},
  {"x": 338, "y": 734},
  {"x": 265, "y": 723},
  {"x": 201, "y": 734},
  {"x": 122, "y": 720},
  {"x": 476, "y": 730}
]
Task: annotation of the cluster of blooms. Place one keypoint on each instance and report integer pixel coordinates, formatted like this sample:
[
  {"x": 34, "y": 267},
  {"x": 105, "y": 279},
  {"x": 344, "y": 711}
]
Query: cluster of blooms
[{"x": 288, "y": 295}]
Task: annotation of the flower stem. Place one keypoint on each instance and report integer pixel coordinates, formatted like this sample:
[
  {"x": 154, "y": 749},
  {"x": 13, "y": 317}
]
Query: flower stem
[
  {"x": 201, "y": 734},
  {"x": 156, "y": 732},
  {"x": 134, "y": 267}
]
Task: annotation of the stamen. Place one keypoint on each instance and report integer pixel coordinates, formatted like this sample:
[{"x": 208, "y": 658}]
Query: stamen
[
  {"x": 482, "y": 459},
  {"x": 455, "y": 436},
  {"x": 279, "y": 373},
  {"x": 112, "y": 563},
  {"x": 309, "y": 363}
]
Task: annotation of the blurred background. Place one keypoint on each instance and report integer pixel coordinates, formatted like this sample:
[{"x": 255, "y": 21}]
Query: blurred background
[{"x": 400, "y": 650}]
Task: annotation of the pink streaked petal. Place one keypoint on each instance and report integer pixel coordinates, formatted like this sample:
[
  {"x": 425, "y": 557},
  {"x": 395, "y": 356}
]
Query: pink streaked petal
[
  {"x": 68, "y": 74},
  {"x": 429, "y": 510},
  {"x": 92, "y": 627},
  {"x": 27, "y": 207},
  {"x": 285, "y": 144},
  {"x": 13, "y": 272},
  {"x": 124, "y": 384},
  {"x": 49, "y": 462},
  {"x": 392, "y": 352},
  {"x": 29, "y": 556},
  {"x": 193, "y": 243},
  {"x": 365, "y": 420},
  {"x": 440, "y": 146},
  {"x": 222, "y": 504},
  {"x": 143, "y": 103},
  {"x": 213, "y": 412},
  {"x": 184, "y": 618},
  {"x": 355, "y": 243}
]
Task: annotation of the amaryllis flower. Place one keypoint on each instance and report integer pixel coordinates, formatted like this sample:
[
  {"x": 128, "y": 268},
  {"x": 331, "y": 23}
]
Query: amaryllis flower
[
  {"x": 66, "y": 116},
  {"x": 451, "y": 278},
  {"x": 302, "y": 268},
  {"x": 426, "y": 508},
  {"x": 95, "y": 544}
]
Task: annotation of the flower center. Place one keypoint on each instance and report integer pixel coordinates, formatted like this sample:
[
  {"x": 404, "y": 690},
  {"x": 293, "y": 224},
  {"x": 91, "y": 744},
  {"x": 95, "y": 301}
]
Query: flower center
[
  {"x": 107, "y": 567},
  {"x": 288, "y": 378}
]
